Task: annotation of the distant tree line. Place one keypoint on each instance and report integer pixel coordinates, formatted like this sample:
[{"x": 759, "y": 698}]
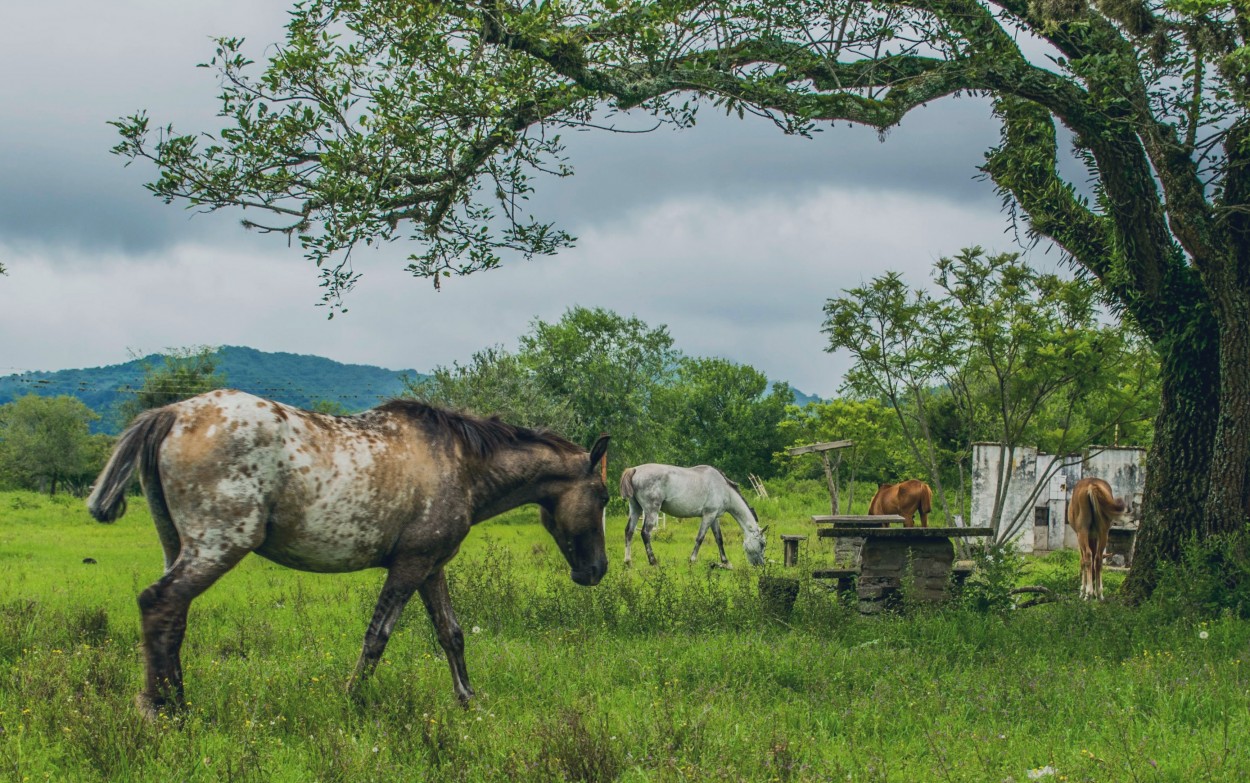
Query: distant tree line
[
  {"x": 996, "y": 351},
  {"x": 596, "y": 371},
  {"x": 46, "y": 444}
]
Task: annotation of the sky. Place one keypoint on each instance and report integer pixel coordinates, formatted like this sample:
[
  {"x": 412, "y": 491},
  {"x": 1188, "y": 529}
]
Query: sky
[{"x": 731, "y": 234}]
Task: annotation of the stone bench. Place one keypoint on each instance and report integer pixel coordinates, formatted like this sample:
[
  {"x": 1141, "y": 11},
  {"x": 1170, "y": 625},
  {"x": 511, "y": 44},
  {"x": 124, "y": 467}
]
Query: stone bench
[{"x": 844, "y": 578}]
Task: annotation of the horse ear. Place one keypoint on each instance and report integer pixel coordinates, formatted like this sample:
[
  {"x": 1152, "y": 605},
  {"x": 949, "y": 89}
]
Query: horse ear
[
  {"x": 764, "y": 529},
  {"x": 597, "y": 452}
]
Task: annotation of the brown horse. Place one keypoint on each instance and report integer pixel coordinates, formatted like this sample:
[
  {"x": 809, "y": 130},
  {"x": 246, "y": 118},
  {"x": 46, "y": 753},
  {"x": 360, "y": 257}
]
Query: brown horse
[
  {"x": 1091, "y": 512},
  {"x": 396, "y": 487},
  {"x": 904, "y": 499}
]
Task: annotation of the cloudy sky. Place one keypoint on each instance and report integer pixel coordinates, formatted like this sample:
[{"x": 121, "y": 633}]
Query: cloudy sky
[{"x": 731, "y": 234}]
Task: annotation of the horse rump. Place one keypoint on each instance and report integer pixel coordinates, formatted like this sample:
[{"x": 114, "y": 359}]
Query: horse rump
[{"x": 627, "y": 483}]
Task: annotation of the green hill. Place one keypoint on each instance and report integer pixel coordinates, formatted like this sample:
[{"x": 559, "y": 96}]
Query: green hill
[{"x": 295, "y": 379}]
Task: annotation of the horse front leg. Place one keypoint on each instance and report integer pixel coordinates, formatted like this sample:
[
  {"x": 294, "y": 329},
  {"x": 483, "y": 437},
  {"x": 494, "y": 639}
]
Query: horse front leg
[
  {"x": 437, "y": 600},
  {"x": 704, "y": 524},
  {"x": 720, "y": 543},
  {"x": 400, "y": 584}
]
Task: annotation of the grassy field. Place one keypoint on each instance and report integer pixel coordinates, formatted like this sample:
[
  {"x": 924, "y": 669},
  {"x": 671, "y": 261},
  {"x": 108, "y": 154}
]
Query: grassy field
[{"x": 671, "y": 673}]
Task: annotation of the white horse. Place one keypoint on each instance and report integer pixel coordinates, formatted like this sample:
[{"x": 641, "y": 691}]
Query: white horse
[{"x": 701, "y": 491}]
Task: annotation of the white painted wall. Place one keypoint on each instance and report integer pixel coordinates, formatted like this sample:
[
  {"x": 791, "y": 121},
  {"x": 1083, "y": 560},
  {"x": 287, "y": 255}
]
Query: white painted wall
[{"x": 1123, "y": 469}]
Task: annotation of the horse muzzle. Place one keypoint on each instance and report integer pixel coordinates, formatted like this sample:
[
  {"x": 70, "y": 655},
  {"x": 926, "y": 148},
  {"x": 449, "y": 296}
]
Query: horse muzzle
[{"x": 589, "y": 575}]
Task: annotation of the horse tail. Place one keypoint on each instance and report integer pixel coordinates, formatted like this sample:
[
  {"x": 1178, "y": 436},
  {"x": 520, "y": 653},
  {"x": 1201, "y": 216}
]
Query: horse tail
[
  {"x": 627, "y": 483},
  {"x": 136, "y": 447},
  {"x": 926, "y": 498},
  {"x": 1097, "y": 519},
  {"x": 1104, "y": 508}
]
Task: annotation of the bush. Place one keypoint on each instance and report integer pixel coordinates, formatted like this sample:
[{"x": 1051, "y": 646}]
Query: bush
[
  {"x": 998, "y": 570},
  {"x": 1212, "y": 577}
]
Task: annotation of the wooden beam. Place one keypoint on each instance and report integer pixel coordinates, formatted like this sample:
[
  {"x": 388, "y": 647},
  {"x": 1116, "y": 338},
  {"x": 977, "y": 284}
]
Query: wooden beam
[{"x": 835, "y": 444}]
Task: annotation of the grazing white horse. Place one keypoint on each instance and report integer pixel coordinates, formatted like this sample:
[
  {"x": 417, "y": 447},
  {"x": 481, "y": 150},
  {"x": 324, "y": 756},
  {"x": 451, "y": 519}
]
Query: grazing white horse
[{"x": 701, "y": 491}]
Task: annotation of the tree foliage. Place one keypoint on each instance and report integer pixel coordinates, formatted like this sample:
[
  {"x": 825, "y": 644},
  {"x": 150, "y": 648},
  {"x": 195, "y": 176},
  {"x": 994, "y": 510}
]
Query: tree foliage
[
  {"x": 879, "y": 455},
  {"x": 45, "y": 443},
  {"x": 609, "y": 369},
  {"x": 724, "y": 414},
  {"x": 1001, "y": 353},
  {"x": 436, "y": 115},
  {"x": 183, "y": 373},
  {"x": 596, "y": 371},
  {"x": 496, "y": 382}
]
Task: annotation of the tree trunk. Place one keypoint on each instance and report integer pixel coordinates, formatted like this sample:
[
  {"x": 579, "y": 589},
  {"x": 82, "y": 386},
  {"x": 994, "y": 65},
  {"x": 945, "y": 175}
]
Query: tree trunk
[
  {"x": 831, "y": 482},
  {"x": 1228, "y": 493},
  {"x": 1179, "y": 462}
]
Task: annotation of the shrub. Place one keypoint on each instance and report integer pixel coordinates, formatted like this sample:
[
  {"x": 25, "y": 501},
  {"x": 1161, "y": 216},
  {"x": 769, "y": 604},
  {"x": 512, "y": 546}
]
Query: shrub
[
  {"x": 998, "y": 570},
  {"x": 1212, "y": 577}
]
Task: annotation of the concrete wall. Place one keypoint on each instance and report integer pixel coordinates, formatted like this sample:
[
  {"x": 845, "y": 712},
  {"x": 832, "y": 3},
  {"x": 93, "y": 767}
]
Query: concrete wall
[
  {"x": 1123, "y": 469},
  {"x": 1045, "y": 523}
]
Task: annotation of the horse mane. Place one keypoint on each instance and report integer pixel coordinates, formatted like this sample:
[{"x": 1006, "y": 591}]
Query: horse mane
[
  {"x": 737, "y": 490},
  {"x": 480, "y": 437}
]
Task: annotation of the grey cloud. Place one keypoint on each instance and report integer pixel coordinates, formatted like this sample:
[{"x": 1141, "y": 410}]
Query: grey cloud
[{"x": 94, "y": 62}]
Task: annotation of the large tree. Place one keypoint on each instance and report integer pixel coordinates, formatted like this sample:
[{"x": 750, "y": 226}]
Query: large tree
[{"x": 378, "y": 115}]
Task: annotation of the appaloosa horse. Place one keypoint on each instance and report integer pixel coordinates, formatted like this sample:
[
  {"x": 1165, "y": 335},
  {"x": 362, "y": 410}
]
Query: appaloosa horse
[
  {"x": 396, "y": 487},
  {"x": 904, "y": 499},
  {"x": 701, "y": 491},
  {"x": 1091, "y": 512}
]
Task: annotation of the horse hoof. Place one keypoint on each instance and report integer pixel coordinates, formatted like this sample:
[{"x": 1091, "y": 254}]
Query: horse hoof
[{"x": 149, "y": 709}]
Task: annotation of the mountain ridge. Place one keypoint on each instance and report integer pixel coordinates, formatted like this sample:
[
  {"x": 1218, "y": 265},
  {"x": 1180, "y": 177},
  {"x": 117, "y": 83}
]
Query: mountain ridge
[{"x": 304, "y": 380}]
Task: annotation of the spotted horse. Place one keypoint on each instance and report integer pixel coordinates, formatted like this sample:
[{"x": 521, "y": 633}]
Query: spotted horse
[{"x": 397, "y": 487}]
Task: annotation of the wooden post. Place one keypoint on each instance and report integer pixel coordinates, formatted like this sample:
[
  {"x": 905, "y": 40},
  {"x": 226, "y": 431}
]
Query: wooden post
[
  {"x": 790, "y": 557},
  {"x": 830, "y": 482},
  {"x": 823, "y": 450}
]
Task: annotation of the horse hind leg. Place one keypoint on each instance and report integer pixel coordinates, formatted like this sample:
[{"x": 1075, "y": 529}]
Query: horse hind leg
[
  {"x": 1098, "y": 563},
  {"x": 164, "y": 606},
  {"x": 648, "y": 524},
  {"x": 1086, "y": 566},
  {"x": 635, "y": 511}
]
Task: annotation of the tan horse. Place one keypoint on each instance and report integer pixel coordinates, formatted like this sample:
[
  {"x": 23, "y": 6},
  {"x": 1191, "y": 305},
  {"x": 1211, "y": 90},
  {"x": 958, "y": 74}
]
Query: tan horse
[
  {"x": 904, "y": 499},
  {"x": 1091, "y": 513}
]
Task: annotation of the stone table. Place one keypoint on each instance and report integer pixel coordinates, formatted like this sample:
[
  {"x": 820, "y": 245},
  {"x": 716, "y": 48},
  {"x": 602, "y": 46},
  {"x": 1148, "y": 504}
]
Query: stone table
[
  {"x": 884, "y": 559},
  {"x": 846, "y": 548}
]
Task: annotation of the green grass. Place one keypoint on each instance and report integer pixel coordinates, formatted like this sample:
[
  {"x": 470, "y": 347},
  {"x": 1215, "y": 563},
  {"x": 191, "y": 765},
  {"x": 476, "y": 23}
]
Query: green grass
[{"x": 670, "y": 673}]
